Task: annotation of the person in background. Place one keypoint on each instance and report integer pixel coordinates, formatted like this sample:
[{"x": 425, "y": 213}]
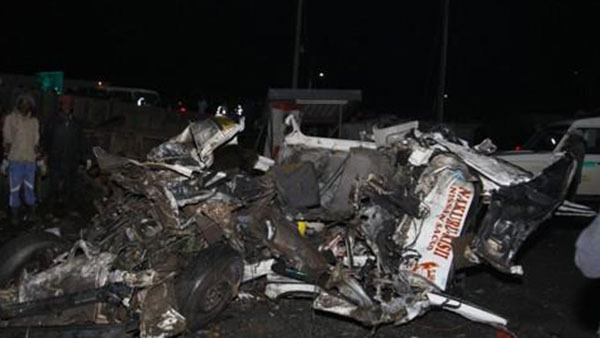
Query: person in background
[
  {"x": 20, "y": 139},
  {"x": 65, "y": 149},
  {"x": 575, "y": 145},
  {"x": 202, "y": 106},
  {"x": 587, "y": 251}
]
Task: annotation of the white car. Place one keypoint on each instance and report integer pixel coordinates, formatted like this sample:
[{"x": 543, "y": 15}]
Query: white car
[{"x": 540, "y": 150}]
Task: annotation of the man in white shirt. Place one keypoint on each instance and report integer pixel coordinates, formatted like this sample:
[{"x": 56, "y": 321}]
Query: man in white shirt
[{"x": 21, "y": 137}]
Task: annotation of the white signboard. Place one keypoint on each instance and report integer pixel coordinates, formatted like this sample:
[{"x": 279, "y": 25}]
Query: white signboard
[{"x": 449, "y": 204}]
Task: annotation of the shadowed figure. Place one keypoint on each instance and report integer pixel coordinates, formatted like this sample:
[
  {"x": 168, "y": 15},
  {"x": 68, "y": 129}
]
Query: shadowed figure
[{"x": 65, "y": 149}]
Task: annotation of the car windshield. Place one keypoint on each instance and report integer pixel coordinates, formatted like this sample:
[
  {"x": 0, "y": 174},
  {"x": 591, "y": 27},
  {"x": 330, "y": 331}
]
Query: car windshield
[{"x": 546, "y": 139}]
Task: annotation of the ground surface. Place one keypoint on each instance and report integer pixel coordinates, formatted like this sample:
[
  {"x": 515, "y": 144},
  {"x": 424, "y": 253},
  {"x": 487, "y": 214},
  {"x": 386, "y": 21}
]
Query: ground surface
[{"x": 553, "y": 299}]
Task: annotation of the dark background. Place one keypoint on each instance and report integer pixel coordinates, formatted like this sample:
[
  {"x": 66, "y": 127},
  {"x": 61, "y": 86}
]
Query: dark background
[{"x": 504, "y": 57}]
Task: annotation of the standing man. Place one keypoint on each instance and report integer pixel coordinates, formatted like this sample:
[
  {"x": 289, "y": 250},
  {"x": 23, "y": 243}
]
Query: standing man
[
  {"x": 202, "y": 105},
  {"x": 21, "y": 136},
  {"x": 65, "y": 148},
  {"x": 575, "y": 145},
  {"x": 587, "y": 251}
]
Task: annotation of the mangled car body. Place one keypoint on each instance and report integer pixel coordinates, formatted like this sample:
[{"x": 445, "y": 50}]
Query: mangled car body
[{"x": 375, "y": 230}]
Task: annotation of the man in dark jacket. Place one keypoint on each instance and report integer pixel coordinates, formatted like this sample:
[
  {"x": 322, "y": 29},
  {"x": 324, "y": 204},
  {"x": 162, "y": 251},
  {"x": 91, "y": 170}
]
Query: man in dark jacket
[
  {"x": 65, "y": 149},
  {"x": 575, "y": 145},
  {"x": 587, "y": 251}
]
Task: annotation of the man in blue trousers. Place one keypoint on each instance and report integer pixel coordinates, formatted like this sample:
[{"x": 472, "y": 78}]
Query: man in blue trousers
[{"x": 21, "y": 136}]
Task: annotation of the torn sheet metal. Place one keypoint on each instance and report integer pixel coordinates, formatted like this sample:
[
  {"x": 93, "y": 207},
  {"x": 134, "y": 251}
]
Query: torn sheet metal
[
  {"x": 468, "y": 311},
  {"x": 263, "y": 164},
  {"x": 137, "y": 279},
  {"x": 171, "y": 321},
  {"x": 488, "y": 187},
  {"x": 420, "y": 156},
  {"x": 58, "y": 305},
  {"x": 297, "y": 138},
  {"x": 257, "y": 270},
  {"x": 496, "y": 170},
  {"x": 276, "y": 290},
  {"x": 388, "y": 136},
  {"x": 486, "y": 147},
  {"x": 359, "y": 165},
  {"x": 515, "y": 212},
  {"x": 197, "y": 142},
  {"x": 573, "y": 209},
  {"x": 297, "y": 185},
  {"x": 278, "y": 286},
  {"x": 75, "y": 274},
  {"x": 448, "y": 206},
  {"x": 387, "y": 313},
  {"x": 339, "y": 306},
  {"x": 159, "y": 318}
]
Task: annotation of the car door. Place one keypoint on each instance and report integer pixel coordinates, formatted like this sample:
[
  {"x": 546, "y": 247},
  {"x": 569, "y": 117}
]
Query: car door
[{"x": 590, "y": 175}]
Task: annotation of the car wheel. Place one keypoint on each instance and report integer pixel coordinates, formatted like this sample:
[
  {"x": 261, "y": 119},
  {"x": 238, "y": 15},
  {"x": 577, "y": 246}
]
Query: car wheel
[
  {"x": 208, "y": 284},
  {"x": 33, "y": 251}
]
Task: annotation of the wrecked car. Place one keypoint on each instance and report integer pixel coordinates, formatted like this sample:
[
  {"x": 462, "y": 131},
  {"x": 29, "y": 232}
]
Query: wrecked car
[{"x": 375, "y": 230}]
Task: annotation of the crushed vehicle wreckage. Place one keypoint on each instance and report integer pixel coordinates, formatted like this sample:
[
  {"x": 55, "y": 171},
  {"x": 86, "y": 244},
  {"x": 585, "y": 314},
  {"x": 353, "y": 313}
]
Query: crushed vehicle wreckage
[{"x": 374, "y": 229}]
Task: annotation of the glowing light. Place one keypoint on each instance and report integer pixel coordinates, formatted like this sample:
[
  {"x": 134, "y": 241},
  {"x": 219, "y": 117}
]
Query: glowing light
[{"x": 321, "y": 74}]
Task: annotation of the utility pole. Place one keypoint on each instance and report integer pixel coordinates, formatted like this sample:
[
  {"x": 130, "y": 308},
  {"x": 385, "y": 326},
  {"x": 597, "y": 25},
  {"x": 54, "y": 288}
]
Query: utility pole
[
  {"x": 297, "y": 45},
  {"x": 443, "y": 56}
]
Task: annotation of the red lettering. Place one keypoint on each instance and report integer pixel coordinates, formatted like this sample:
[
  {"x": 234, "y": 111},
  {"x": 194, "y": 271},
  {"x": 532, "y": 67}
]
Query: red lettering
[
  {"x": 449, "y": 222},
  {"x": 444, "y": 247},
  {"x": 429, "y": 268},
  {"x": 452, "y": 227},
  {"x": 465, "y": 192}
]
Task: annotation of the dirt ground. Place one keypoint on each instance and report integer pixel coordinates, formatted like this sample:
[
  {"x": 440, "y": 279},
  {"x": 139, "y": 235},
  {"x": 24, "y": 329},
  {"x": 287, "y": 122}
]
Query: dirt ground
[{"x": 552, "y": 299}]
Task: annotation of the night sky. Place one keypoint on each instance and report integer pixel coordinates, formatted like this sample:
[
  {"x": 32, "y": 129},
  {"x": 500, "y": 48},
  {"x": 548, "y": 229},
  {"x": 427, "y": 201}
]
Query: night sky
[{"x": 517, "y": 56}]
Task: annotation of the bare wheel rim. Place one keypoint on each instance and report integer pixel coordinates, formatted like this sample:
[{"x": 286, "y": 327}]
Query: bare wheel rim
[{"x": 214, "y": 296}]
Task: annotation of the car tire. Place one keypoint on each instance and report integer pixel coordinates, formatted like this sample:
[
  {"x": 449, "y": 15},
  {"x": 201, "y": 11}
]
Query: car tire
[
  {"x": 208, "y": 284},
  {"x": 28, "y": 248}
]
